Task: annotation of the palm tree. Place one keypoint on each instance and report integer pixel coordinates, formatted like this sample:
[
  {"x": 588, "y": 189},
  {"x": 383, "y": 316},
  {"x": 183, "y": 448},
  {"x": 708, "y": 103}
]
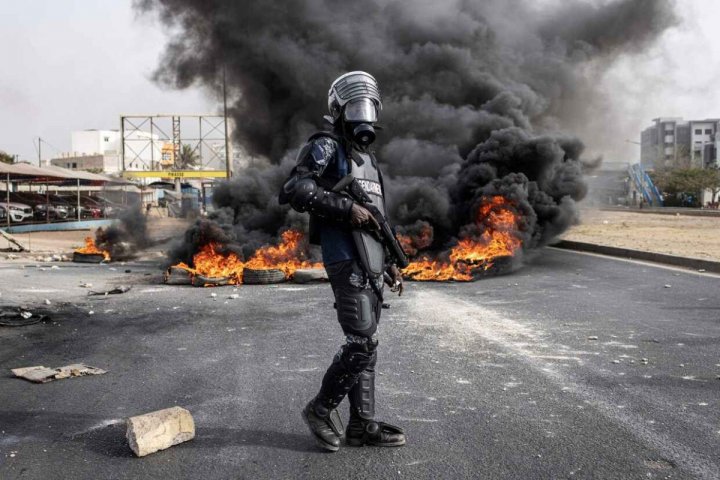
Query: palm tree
[{"x": 188, "y": 157}]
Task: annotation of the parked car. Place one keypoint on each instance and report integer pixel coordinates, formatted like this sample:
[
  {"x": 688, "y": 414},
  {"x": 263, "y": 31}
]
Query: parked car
[
  {"x": 89, "y": 208},
  {"x": 64, "y": 207},
  {"x": 19, "y": 212},
  {"x": 41, "y": 208}
]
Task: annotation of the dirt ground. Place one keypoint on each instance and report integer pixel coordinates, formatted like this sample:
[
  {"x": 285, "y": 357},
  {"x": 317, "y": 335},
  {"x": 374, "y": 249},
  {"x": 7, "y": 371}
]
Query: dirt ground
[
  {"x": 159, "y": 228},
  {"x": 683, "y": 235}
]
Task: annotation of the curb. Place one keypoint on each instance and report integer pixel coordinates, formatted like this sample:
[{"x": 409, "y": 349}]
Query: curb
[
  {"x": 686, "y": 262},
  {"x": 675, "y": 211}
]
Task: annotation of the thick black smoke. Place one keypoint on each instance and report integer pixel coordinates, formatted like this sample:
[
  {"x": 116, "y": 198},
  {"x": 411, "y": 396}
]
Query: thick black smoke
[
  {"x": 126, "y": 236},
  {"x": 476, "y": 96}
]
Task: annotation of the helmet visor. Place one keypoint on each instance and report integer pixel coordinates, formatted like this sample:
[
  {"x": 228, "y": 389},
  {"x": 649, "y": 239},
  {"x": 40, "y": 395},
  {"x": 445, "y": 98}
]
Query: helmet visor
[{"x": 361, "y": 110}]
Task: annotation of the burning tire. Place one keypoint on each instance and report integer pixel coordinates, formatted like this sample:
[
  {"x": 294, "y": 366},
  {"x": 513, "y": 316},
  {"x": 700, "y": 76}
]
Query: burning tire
[
  {"x": 308, "y": 275},
  {"x": 262, "y": 277},
  {"x": 88, "y": 257}
]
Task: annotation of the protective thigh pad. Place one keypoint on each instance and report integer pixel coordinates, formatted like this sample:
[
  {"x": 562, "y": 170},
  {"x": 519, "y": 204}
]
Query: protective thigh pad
[{"x": 355, "y": 311}]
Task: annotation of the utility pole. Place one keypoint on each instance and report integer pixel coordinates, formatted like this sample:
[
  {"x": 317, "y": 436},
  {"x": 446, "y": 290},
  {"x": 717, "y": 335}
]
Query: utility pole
[
  {"x": 228, "y": 167},
  {"x": 39, "y": 152}
]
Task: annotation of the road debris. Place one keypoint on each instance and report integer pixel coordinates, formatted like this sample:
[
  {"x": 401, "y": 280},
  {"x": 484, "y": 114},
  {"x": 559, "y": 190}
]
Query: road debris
[
  {"x": 19, "y": 317},
  {"x": 159, "y": 430},
  {"x": 85, "y": 285},
  {"x": 12, "y": 240},
  {"x": 177, "y": 276},
  {"x": 309, "y": 275},
  {"x": 668, "y": 286},
  {"x": 592, "y": 337},
  {"x": 115, "y": 291},
  {"x": 41, "y": 374}
]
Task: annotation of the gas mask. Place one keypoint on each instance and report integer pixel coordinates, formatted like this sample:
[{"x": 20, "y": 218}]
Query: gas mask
[{"x": 359, "y": 115}]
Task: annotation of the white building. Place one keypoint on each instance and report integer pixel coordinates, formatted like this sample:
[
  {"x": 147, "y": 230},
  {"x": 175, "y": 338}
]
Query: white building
[{"x": 99, "y": 150}]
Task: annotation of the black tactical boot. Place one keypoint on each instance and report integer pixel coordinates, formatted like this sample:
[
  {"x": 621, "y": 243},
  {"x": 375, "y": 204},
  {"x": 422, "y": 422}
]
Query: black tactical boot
[
  {"x": 324, "y": 424},
  {"x": 362, "y": 428}
]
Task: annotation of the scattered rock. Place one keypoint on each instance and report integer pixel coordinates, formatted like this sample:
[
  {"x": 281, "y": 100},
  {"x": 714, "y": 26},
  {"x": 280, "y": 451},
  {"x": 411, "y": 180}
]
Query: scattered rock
[
  {"x": 213, "y": 295},
  {"x": 234, "y": 296},
  {"x": 47, "y": 302},
  {"x": 668, "y": 286},
  {"x": 40, "y": 374},
  {"x": 159, "y": 430},
  {"x": 115, "y": 291},
  {"x": 616, "y": 361},
  {"x": 86, "y": 285},
  {"x": 592, "y": 337}
]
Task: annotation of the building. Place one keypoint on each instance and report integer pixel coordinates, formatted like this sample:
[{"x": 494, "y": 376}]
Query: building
[
  {"x": 99, "y": 151},
  {"x": 674, "y": 142}
]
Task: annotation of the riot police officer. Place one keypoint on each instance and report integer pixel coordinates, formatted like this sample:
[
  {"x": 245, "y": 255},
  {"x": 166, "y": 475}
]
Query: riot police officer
[{"x": 354, "y": 259}]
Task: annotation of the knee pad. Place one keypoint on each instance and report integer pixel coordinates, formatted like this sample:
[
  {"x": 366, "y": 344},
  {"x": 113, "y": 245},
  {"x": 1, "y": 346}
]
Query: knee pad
[
  {"x": 358, "y": 354},
  {"x": 356, "y": 311}
]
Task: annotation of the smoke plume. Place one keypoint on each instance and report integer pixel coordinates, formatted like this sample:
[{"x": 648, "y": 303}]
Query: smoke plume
[
  {"x": 126, "y": 236},
  {"x": 477, "y": 96}
]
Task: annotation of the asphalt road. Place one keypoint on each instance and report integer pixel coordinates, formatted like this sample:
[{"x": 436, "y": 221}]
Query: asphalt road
[{"x": 501, "y": 378}]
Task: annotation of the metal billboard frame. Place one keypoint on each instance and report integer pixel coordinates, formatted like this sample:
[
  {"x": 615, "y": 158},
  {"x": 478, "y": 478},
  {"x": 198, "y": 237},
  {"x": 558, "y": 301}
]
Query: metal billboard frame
[{"x": 210, "y": 128}]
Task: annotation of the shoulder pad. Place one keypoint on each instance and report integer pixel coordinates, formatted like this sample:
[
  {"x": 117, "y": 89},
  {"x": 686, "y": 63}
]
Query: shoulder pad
[{"x": 321, "y": 151}]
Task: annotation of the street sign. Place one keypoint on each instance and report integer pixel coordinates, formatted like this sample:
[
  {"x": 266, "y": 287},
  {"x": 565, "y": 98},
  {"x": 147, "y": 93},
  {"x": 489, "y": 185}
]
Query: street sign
[{"x": 175, "y": 173}]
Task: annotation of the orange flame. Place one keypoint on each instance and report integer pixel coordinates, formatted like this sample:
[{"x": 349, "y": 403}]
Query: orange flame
[
  {"x": 499, "y": 239},
  {"x": 287, "y": 256},
  {"x": 91, "y": 249}
]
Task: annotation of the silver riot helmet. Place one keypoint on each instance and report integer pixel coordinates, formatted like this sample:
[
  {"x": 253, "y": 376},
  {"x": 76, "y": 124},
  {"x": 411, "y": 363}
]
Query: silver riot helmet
[{"x": 354, "y": 99}]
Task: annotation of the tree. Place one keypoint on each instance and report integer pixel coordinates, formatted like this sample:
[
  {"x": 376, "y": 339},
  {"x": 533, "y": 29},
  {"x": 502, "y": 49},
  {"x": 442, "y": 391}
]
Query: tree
[
  {"x": 187, "y": 158},
  {"x": 712, "y": 181},
  {"x": 6, "y": 157},
  {"x": 682, "y": 185}
]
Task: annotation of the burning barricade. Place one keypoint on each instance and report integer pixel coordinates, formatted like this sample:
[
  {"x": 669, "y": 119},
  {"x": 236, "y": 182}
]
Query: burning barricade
[
  {"x": 489, "y": 247},
  {"x": 120, "y": 241},
  {"x": 90, "y": 253},
  {"x": 216, "y": 264}
]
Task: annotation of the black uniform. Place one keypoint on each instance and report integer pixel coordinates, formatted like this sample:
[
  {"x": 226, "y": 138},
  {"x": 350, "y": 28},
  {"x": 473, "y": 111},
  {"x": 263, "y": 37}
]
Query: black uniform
[{"x": 356, "y": 280}]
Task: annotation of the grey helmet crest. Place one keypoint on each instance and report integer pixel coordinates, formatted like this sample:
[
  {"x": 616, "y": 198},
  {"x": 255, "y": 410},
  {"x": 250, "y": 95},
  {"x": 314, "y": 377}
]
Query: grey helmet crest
[
  {"x": 352, "y": 86},
  {"x": 354, "y": 102}
]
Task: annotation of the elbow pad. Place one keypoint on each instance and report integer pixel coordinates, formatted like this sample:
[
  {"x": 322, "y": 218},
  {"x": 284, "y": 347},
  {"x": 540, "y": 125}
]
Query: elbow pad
[{"x": 308, "y": 197}]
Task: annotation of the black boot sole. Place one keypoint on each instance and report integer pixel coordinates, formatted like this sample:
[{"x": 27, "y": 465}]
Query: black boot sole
[
  {"x": 359, "y": 442},
  {"x": 320, "y": 443}
]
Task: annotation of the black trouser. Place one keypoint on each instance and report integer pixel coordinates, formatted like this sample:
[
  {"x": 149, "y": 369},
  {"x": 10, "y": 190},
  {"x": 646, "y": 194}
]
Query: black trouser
[{"x": 353, "y": 368}]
